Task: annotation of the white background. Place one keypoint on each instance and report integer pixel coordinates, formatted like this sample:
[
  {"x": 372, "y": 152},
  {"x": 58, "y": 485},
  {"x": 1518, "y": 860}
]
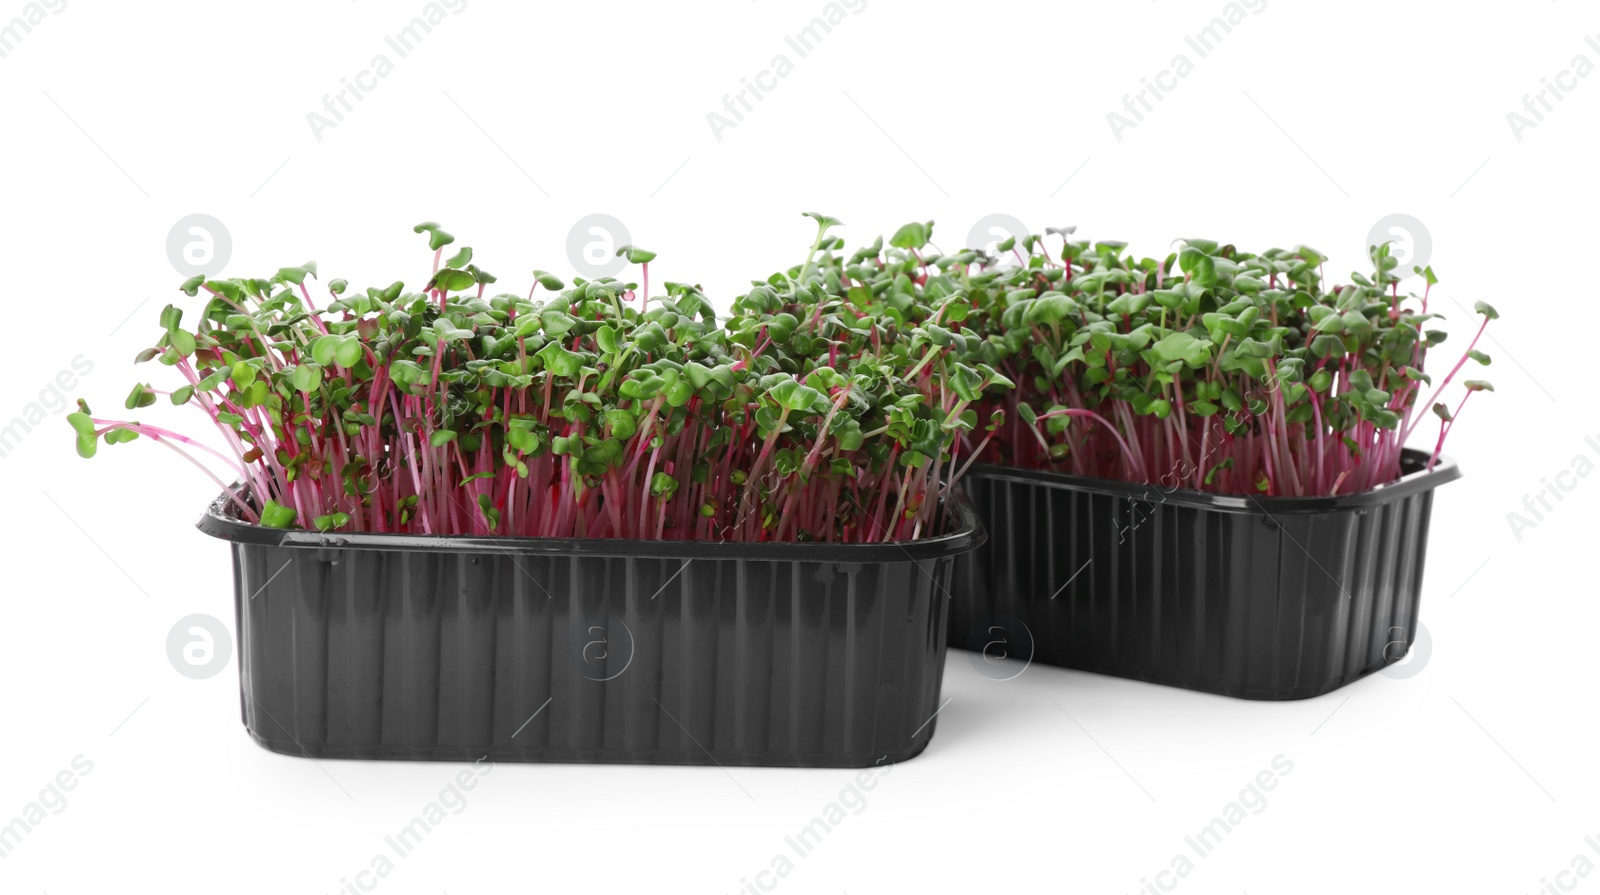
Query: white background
[{"x": 1307, "y": 123}]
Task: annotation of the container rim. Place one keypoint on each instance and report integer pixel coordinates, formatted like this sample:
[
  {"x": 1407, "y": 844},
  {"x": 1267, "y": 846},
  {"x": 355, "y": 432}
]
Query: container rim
[
  {"x": 1415, "y": 478},
  {"x": 967, "y": 533}
]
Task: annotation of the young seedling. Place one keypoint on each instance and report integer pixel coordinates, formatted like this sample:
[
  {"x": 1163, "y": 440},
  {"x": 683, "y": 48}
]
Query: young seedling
[
  {"x": 1213, "y": 369},
  {"x": 814, "y": 413}
]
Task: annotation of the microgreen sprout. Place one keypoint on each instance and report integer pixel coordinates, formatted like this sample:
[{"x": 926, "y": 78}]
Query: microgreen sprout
[
  {"x": 822, "y": 409},
  {"x": 1214, "y": 369}
]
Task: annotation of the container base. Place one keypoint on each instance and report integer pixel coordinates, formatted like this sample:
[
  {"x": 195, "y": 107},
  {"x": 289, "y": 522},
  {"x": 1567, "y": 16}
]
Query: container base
[
  {"x": 569, "y": 756},
  {"x": 1210, "y": 685}
]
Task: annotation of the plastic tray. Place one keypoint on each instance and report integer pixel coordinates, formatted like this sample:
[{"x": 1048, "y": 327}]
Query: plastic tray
[
  {"x": 528, "y": 649},
  {"x": 1255, "y": 597}
]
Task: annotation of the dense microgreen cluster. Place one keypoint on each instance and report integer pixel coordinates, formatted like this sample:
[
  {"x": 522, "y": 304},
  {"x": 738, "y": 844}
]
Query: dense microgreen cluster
[
  {"x": 591, "y": 410},
  {"x": 1214, "y": 369},
  {"x": 840, "y": 401}
]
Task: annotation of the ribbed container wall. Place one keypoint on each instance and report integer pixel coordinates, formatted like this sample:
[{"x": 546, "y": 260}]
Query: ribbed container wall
[
  {"x": 1264, "y": 600},
  {"x": 458, "y": 654}
]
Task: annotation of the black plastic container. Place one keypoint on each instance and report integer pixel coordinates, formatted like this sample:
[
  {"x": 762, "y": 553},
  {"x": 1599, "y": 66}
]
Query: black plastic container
[
  {"x": 1255, "y": 597},
  {"x": 531, "y": 649}
]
